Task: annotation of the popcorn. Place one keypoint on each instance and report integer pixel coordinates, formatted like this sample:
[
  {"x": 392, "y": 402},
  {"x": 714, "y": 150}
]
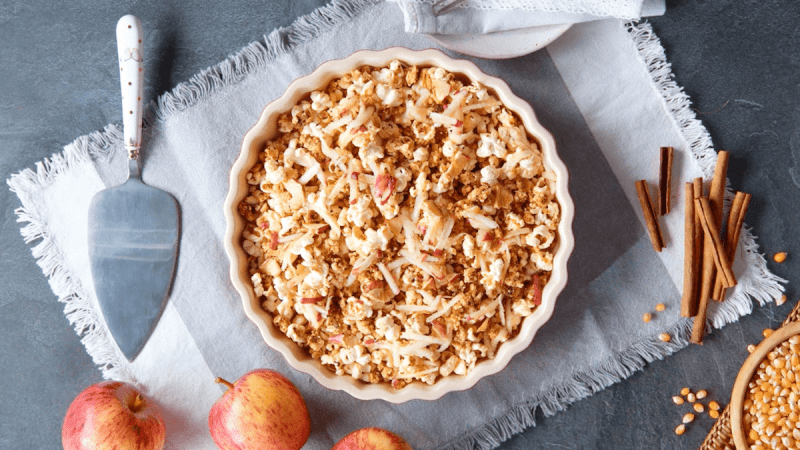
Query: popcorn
[
  {"x": 491, "y": 146},
  {"x": 320, "y": 101},
  {"x": 288, "y": 223},
  {"x": 421, "y": 154},
  {"x": 274, "y": 174},
  {"x": 496, "y": 271},
  {"x": 377, "y": 239},
  {"x": 285, "y": 308},
  {"x": 490, "y": 175},
  {"x": 361, "y": 212},
  {"x": 390, "y": 97},
  {"x": 397, "y": 225},
  {"x": 541, "y": 237},
  {"x": 385, "y": 326},
  {"x": 258, "y": 288}
]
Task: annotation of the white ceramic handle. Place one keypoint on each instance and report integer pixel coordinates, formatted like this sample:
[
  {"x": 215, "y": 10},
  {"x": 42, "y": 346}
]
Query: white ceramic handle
[{"x": 131, "y": 75}]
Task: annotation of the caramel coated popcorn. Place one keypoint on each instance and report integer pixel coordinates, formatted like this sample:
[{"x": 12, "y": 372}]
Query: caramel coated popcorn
[{"x": 401, "y": 225}]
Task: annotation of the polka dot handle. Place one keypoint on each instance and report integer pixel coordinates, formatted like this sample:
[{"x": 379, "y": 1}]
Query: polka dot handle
[{"x": 130, "y": 43}]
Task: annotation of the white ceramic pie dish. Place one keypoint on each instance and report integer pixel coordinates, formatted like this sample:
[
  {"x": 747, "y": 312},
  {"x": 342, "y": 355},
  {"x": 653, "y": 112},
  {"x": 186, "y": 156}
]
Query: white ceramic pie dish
[{"x": 266, "y": 128}]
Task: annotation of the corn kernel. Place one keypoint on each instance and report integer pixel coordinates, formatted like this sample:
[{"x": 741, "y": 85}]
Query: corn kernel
[
  {"x": 779, "y": 257},
  {"x": 646, "y": 317},
  {"x": 688, "y": 418},
  {"x": 751, "y": 348},
  {"x": 660, "y": 307},
  {"x": 677, "y": 400},
  {"x": 701, "y": 394},
  {"x": 713, "y": 413},
  {"x": 691, "y": 397},
  {"x": 767, "y": 333},
  {"x": 781, "y": 300},
  {"x": 680, "y": 429},
  {"x": 665, "y": 337},
  {"x": 713, "y": 405},
  {"x": 685, "y": 391},
  {"x": 698, "y": 407}
]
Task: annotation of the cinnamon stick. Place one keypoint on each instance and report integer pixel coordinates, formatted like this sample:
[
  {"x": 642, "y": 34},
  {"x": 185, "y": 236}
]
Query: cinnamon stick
[
  {"x": 690, "y": 275},
  {"x": 716, "y": 193},
  {"x": 699, "y": 327},
  {"x": 702, "y": 266},
  {"x": 665, "y": 180},
  {"x": 649, "y": 216},
  {"x": 716, "y": 248},
  {"x": 735, "y": 222},
  {"x": 697, "y": 184},
  {"x": 716, "y": 196},
  {"x": 739, "y": 224},
  {"x": 719, "y": 290}
]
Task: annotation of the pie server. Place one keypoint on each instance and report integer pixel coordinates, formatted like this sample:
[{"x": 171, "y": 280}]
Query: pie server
[{"x": 133, "y": 228}]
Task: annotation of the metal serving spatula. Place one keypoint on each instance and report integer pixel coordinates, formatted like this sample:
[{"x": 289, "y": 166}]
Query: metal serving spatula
[{"x": 133, "y": 228}]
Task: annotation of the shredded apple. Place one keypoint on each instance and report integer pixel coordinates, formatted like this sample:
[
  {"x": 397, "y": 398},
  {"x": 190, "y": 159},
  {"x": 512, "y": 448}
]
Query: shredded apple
[{"x": 400, "y": 225}]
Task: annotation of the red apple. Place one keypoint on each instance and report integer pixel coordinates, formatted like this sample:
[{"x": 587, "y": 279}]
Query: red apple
[
  {"x": 112, "y": 415},
  {"x": 371, "y": 439},
  {"x": 262, "y": 410}
]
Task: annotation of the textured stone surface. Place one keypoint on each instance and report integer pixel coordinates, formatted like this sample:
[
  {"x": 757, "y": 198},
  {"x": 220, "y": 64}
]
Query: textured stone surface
[{"x": 738, "y": 61}]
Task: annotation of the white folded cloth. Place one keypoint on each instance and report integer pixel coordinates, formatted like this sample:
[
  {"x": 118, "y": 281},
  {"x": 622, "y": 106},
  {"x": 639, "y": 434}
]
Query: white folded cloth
[{"x": 471, "y": 17}]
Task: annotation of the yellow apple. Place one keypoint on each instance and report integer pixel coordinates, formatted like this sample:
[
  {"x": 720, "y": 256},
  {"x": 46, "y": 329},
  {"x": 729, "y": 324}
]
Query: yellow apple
[
  {"x": 262, "y": 410},
  {"x": 371, "y": 439},
  {"x": 112, "y": 415}
]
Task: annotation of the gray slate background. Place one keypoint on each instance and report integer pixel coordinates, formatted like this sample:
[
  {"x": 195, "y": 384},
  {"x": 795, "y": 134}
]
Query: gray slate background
[{"x": 738, "y": 60}]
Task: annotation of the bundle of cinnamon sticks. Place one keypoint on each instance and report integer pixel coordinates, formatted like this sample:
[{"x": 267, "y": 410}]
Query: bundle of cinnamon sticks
[{"x": 708, "y": 254}]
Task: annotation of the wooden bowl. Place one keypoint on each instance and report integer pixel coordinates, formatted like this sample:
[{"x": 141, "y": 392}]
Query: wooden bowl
[{"x": 746, "y": 374}]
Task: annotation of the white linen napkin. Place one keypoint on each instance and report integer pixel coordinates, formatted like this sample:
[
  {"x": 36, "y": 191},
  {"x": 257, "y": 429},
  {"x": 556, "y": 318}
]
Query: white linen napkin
[
  {"x": 604, "y": 120},
  {"x": 473, "y": 17}
]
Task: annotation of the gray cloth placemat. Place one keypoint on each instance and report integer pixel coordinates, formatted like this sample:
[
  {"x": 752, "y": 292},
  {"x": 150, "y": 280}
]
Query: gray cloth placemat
[{"x": 605, "y": 92}]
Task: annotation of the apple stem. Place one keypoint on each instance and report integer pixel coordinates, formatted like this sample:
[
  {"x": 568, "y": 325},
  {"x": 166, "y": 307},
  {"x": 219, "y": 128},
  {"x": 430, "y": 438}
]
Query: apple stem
[
  {"x": 137, "y": 403},
  {"x": 225, "y": 382}
]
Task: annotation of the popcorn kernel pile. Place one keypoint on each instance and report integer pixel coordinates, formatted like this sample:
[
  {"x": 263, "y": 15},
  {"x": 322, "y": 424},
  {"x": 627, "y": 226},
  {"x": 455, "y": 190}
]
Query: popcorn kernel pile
[
  {"x": 771, "y": 413},
  {"x": 401, "y": 225}
]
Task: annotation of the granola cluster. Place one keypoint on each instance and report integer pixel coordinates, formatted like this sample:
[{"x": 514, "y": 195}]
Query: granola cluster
[{"x": 401, "y": 225}]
